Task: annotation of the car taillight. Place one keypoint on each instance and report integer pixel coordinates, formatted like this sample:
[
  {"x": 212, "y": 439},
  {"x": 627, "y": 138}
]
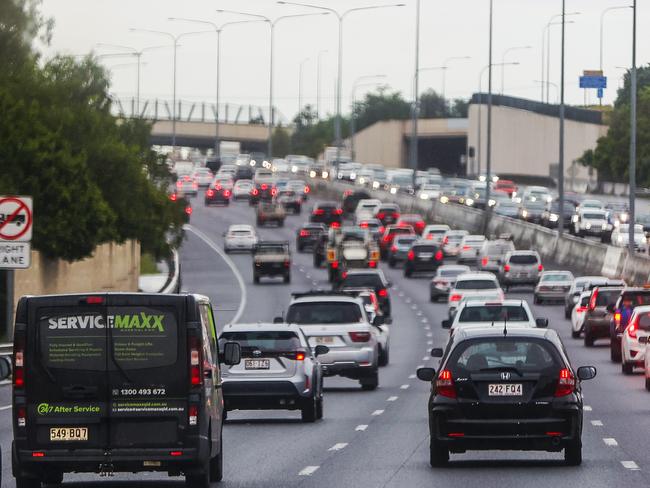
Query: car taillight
[
  {"x": 304, "y": 233},
  {"x": 455, "y": 297},
  {"x": 445, "y": 384},
  {"x": 372, "y": 264},
  {"x": 484, "y": 261},
  {"x": 419, "y": 226},
  {"x": 540, "y": 268},
  {"x": 381, "y": 230},
  {"x": 179, "y": 184},
  {"x": 188, "y": 210},
  {"x": 307, "y": 189},
  {"x": 386, "y": 238},
  {"x": 593, "y": 299},
  {"x": 631, "y": 330},
  {"x": 193, "y": 415},
  {"x": 344, "y": 274},
  {"x": 318, "y": 211},
  {"x": 617, "y": 317},
  {"x": 254, "y": 192},
  {"x": 173, "y": 197},
  {"x": 287, "y": 264},
  {"x": 210, "y": 193},
  {"x": 393, "y": 249},
  {"x": 338, "y": 211},
  {"x": 21, "y": 416},
  {"x": 381, "y": 215},
  {"x": 445, "y": 241},
  {"x": 195, "y": 361},
  {"x": 466, "y": 248},
  {"x": 566, "y": 383},
  {"x": 274, "y": 191},
  {"x": 300, "y": 356},
  {"x": 439, "y": 255},
  {"x": 226, "y": 193},
  {"x": 334, "y": 265},
  {"x": 19, "y": 368},
  {"x": 506, "y": 268},
  {"x": 395, "y": 215},
  {"x": 581, "y": 309},
  {"x": 383, "y": 293},
  {"x": 264, "y": 186},
  {"x": 363, "y": 225},
  {"x": 336, "y": 225},
  {"x": 360, "y": 336},
  {"x": 410, "y": 256}
]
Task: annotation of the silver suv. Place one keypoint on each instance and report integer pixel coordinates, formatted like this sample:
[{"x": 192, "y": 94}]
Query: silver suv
[
  {"x": 491, "y": 255},
  {"x": 278, "y": 370},
  {"x": 338, "y": 320},
  {"x": 520, "y": 268}
]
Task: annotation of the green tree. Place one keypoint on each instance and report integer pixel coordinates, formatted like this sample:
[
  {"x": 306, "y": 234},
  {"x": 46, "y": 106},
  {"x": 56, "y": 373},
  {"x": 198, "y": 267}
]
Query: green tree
[
  {"x": 281, "y": 142},
  {"x": 311, "y": 135},
  {"x": 382, "y": 105},
  {"x": 432, "y": 105}
]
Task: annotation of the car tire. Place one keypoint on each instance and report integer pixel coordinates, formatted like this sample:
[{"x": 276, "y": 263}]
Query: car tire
[
  {"x": 371, "y": 381},
  {"x": 589, "y": 340},
  {"x": 647, "y": 384},
  {"x": 281, "y": 223},
  {"x": 536, "y": 300},
  {"x": 309, "y": 410},
  {"x": 627, "y": 368},
  {"x": 567, "y": 313},
  {"x": 287, "y": 278},
  {"x": 615, "y": 352},
  {"x": 319, "y": 406},
  {"x": 384, "y": 356},
  {"x": 216, "y": 464},
  {"x": 25, "y": 482},
  {"x": 256, "y": 279},
  {"x": 392, "y": 263},
  {"x": 438, "y": 454},
  {"x": 573, "y": 453},
  {"x": 407, "y": 272},
  {"x": 433, "y": 299},
  {"x": 575, "y": 334}
]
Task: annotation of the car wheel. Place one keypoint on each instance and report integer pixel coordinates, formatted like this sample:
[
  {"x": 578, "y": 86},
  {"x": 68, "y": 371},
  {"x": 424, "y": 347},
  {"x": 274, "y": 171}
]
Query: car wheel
[
  {"x": 627, "y": 368},
  {"x": 256, "y": 278},
  {"x": 319, "y": 406},
  {"x": 309, "y": 411},
  {"x": 216, "y": 464},
  {"x": 287, "y": 278},
  {"x": 438, "y": 455},
  {"x": 573, "y": 453},
  {"x": 199, "y": 480},
  {"x": 392, "y": 263},
  {"x": 408, "y": 272},
  {"x": 384, "y": 355},
  {"x": 433, "y": 299},
  {"x": 536, "y": 300},
  {"x": 615, "y": 351},
  {"x": 371, "y": 381},
  {"x": 281, "y": 223},
  {"x": 647, "y": 384},
  {"x": 575, "y": 334},
  {"x": 567, "y": 313},
  {"x": 589, "y": 340},
  {"x": 24, "y": 482}
]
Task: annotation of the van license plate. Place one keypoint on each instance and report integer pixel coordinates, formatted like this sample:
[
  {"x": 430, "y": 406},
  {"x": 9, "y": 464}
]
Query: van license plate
[
  {"x": 505, "y": 389},
  {"x": 65, "y": 434},
  {"x": 257, "y": 364}
]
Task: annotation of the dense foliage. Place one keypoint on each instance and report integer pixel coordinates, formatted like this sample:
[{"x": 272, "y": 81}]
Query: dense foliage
[{"x": 93, "y": 177}]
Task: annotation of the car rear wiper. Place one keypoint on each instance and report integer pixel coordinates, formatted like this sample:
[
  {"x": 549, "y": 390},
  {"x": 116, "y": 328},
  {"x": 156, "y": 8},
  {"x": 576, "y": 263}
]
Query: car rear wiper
[{"x": 504, "y": 368}]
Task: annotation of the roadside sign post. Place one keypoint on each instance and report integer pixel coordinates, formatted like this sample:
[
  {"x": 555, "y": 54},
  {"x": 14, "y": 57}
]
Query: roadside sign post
[{"x": 594, "y": 79}]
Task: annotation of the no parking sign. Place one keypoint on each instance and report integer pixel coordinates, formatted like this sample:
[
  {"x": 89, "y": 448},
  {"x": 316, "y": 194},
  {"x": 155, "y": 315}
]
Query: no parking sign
[{"x": 16, "y": 222}]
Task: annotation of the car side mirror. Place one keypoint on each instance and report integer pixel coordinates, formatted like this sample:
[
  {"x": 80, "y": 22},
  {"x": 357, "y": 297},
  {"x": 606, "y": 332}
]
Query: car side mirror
[
  {"x": 610, "y": 308},
  {"x": 389, "y": 284},
  {"x": 378, "y": 320},
  {"x": 426, "y": 374},
  {"x": 320, "y": 350},
  {"x": 5, "y": 367},
  {"x": 643, "y": 340},
  {"x": 436, "y": 352},
  {"x": 586, "y": 373},
  {"x": 541, "y": 323},
  {"x": 231, "y": 353},
  {"x": 446, "y": 324},
  {"x": 278, "y": 320}
]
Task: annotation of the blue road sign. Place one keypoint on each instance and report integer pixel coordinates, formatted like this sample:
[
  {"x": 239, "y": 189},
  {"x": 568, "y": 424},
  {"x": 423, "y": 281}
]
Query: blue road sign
[
  {"x": 600, "y": 93},
  {"x": 593, "y": 82}
]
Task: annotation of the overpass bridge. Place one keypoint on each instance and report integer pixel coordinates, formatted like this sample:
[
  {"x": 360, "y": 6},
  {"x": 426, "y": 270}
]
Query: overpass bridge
[{"x": 196, "y": 122}]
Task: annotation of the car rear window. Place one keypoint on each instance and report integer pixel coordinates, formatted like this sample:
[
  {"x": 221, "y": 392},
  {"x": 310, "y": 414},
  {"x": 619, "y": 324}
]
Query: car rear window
[
  {"x": 638, "y": 298},
  {"x": 476, "y": 285},
  {"x": 241, "y": 232},
  {"x": 270, "y": 250},
  {"x": 523, "y": 259},
  {"x": 556, "y": 277},
  {"x": 593, "y": 216},
  {"x": 425, "y": 249},
  {"x": 324, "y": 313},
  {"x": 607, "y": 297},
  {"x": 492, "y": 313},
  {"x": 401, "y": 230},
  {"x": 524, "y": 354},
  {"x": 265, "y": 341},
  {"x": 448, "y": 273},
  {"x": 142, "y": 337},
  {"x": 454, "y": 238}
]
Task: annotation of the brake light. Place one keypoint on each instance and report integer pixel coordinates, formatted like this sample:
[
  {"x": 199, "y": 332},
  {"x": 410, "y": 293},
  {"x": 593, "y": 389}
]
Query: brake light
[
  {"x": 393, "y": 249},
  {"x": 419, "y": 225},
  {"x": 19, "y": 368},
  {"x": 304, "y": 233},
  {"x": 581, "y": 309},
  {"x": 336, "y": 225},
  {"x": 631, "y": 330},
  {"x": 445, "y": 384},
  {"x": 484, "y": 261},
  {"x": 344, "y": 274},
  {"x": 455, "y": 297},
  {"x": 445, "y": 240},
  {"x": 265, "y": 186},
  {"x": 386, "y": 238},
  {"x": 360, "y": 336},
  {"x": 334, "y": 265},
  {"x": 300, "y": 356},
  {"x": 226, "y": 193},
  {"x": 274, "y": 191},
  {"x": 540, "y": 268},
  {"x": 617, "y": 318},
  {"x": 506, "y": 268},
  {"x": 593, "y": 299},
  {"x": 176, "y": 453},
  {"x": 173, "y": 197},
  {"x": 319, "y": 211},
  {"x": 372, "y": 264},
  {"x": 381, "y": 215},
  {"x": 38, "y": 454},
  {"x": 396, "y": 215},
  {"x": 382, "y": 229},
  {"x": 363, "y": 225},
  {"x": 254, "y": 192},
  {"x": 287, "y": 264},
  {"x": 193, "y": 415},
  {"x": 383, "y": 293},
  {"x": 195, "y": 361},
  {"x": 94, "y": 300},
  {"x": 410, "y": 256},
  {"x": 439, "y": 255},
  {"x": 338, "y": 211},
  {"x": 566, "y": 383},
  {"x": 188, "y": 210},
  {"x": 210, "y": 193},
  {"x": 307, "y": 189}
]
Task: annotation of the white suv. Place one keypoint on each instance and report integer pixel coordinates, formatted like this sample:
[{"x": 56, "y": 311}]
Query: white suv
[
  {"x": 479, "y": 286},
  {"x": 632, "y": 351},
  {"x": 502, "y": 314}
]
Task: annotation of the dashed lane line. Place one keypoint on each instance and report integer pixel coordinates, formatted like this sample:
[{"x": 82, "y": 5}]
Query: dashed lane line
[
  {"x": 610, "y": 441},
  {"x": 587, "y": 408},
  {"x": 426, "y": 358},
  {"x": 597, "y": 423},
  {"x": 391, "y": 399},
  {"x": 377, "y": 412},
  {"x": 6, "y": 407},
  {"x": 630, "y": 465},
  {"x": 412, "y": 376},
  {"x": 308, "y": 471},
  {"x": 361, "y": 427},
  {"x": 404, "y": 387},
  {"x": 338, "y": 446}
]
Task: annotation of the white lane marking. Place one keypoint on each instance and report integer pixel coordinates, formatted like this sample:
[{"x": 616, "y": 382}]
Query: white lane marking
[
  {"x": 426, "y": 358},
  {"x": 231, "y": 265},
  {"x": 630, "y": 465},
  {"x": 424, "y": 320},
  {"x": 427, "y": 327},
  {"x": 610, "y": 441},
  {"x": 377, "y": 412},
  {"x": 587, "y": 408},
  {"x": 401, "y": 294},
  {"x": 308, "y": 471},
  {"x": 430, "y": 343},
  {"x": 419, "y": 313},
  {"x": 404, "y": 387},
  {"x": 429, "y": 334},
  {"x": 412, "y": 376},
  {"x": 408, "y": 300},
  {"x": 391, "y": 399},
  {"x": 597, "y": 423},
  {"x": 420, "y": 366},
  {"x": 338, "y": 446},
  {"x": 308, "y": 276},
  {"x": 6, "y": 407},
  {"x": 314, "y": 283},
  {"x": 414, "y": 307},
  {"x": 361, "y": 428}
]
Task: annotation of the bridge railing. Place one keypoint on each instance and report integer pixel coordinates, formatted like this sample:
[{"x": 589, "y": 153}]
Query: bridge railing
[{"x": 192, "y": 111}]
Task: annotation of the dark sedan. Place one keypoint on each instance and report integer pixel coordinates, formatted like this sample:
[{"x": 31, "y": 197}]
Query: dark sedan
[
  {"x": 308, "y": 235},
  {"x": 551, "y": 214},
  {"x": 328, "y": 213},
  {"x": 532, "y": 211},
  {"x": 505, "y": 390},
  {"x": 218, "y": 194}
]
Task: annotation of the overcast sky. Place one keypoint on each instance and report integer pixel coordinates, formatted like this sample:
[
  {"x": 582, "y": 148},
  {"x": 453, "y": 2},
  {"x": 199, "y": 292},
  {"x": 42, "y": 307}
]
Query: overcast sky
[{"x": 375, "y": 42}]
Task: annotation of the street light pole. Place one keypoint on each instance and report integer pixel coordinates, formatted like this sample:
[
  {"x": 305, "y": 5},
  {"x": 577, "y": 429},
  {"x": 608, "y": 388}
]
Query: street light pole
[
  {"x": 602, "y": 29},
  {"x": 548, "y": 48},
  {"x": 503, "y": 63},
  {"x": 357, "y": 84},
  {"x": 318, "y": 75},
  {"x": 339, "y": 82},
  {"x": 633, "y": 96},
  {"x": 488, "y": 170},
  {"x": 415, "y": 109},
  {"x": 560, "y": 222},
  {"x": 302, "y": 64}
]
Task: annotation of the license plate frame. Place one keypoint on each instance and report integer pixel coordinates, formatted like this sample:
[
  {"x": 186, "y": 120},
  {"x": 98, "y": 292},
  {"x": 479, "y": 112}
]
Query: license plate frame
[
  {"x": 257, "y": 364},
  {"x": 425, "y": 256},
  {"x": 68, "y": 434},
  {"x": 324, "y": 340},
  {"x": 505, "y": 389}
]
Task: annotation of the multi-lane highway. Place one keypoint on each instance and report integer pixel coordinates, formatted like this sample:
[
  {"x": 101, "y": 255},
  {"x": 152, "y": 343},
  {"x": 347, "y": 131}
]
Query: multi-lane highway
[{"x": 380, "y": 438}]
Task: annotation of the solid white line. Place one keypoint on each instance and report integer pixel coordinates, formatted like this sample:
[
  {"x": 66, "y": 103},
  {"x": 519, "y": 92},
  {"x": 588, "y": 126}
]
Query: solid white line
[
  {"x": 338, "y": 446},
  {"x": 361, "y": 427},
  {"x": 6, "y": 407},
  {"x": 426, "y": 358},
  {"x": 597, "y": 423},
  {"x": 411, "y": 376},
  {"x": 377, "y": 412},
  {"x": 404, "y": 387},
  {"x": 229, "y": 262},
  {"x": 610, "y": 441},
  {"x": 630, "y": 465},
  {"x": 308, "y": 471},
  {"x": 391, "y": 399},
  {"x": 587, "y": 408}
]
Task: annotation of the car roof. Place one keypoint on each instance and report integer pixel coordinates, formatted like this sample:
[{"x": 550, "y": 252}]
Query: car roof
[
  {"x": 453, "y": 267},
  {"x": 523, "y": 252},
  {"x": 241, "y": 227},
  {"x": 473, "y": 302},
  {"x": 366, "y": 271},
  {"x": 265, "y": 326},
  {"x": 497, "y": 333},
  {"x": 479, "y": 275},
  {"x": 326, "y": 298},
  {"x": 642, "y": 309}
]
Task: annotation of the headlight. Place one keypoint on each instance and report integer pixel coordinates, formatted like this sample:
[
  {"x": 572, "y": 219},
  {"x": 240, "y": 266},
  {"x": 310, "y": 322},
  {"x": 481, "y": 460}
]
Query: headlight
[
  {"x": 444, "y": 199},
  {"x": 469, "y": 202},
  {"x": 375, "y": 184},
  {"x": 588, "y": 226},
  {"x": 605, "y": 226},
  {"x": 549, "y": 199},
  {"x": 353, "y": 176},
  {"x": 253, "y": 163},
  {"x": 554, "y": 217},
  {"x": 623, "y": 217},
  {"x": 294, "y": 169},
  {"x": 481, "y": 178},
  {"x": 492, "y": 203},
  {"x": 393, "y": 190},
  {"x": 325, "y": 174},
  {"x": 424, "y": 196},
  {"x": 312, "y": 174},
  {"x": 574, "y": 218},
  {"x": 524, "y": 213},
  {"x": 533, "y": 199},
  {"x": 362, "y": 180}
]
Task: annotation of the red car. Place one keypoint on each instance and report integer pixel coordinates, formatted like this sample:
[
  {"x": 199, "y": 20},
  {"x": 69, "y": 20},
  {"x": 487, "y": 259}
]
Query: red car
[
  {"x": 391, "y": 231},
  {"x": 412, "y": 220},
  {"x": 506, "y": 186}
]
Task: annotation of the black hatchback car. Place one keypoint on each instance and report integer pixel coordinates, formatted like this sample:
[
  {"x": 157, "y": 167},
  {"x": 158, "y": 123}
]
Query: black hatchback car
[
  {"x": 423, "y": 257},
  {"x": 505, "y": 390},
  {"x": 328, "y": 213},
  {"x": 308, "y": 235}
]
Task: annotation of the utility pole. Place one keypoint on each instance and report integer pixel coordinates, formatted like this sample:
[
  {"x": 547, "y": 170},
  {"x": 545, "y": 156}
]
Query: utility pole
[
  {"x": 560, "y": 222},
  {"x": 632, "y": 171},
  {"x": 413, "y": 148}
]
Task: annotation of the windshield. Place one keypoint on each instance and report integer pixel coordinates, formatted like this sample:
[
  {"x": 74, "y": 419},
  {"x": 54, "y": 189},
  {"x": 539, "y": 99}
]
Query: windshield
[
  {"x": 593, "y": 216},
  {"x": 327, "y": 313},
  {"x": 556, "y": 277},
  {"x": 494, "y": 313},
  {"x": 270, "y": 250},
  {"x": 362, "y": 281},
  {"x": 476, "y": 284}
]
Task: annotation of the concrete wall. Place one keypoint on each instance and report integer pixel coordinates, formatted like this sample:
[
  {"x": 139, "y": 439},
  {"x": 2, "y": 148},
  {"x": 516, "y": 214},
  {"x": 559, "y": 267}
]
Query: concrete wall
[
  {"x": 525, "y": 142},
  {"x": 113, "y": 267},
  {"x": 581, "y": 255}
]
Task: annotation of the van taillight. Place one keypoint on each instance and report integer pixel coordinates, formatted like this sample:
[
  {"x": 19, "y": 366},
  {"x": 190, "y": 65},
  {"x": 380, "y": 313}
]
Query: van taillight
[
  {"x": 540, "y": 268},
  {"x": 506, "y": 268},
  {"x": 484, "y": 261},
  {"x": 94, "y": 300},
  {"x": 566, "y": 383},
  {"x": 617, "y": 318},
  {"x": 193, "y": 415},
  {"x": 410, "y": 256},
  {"x": 21, "y": 417},
  {"x": 382, "y": 293},
  {"x": 631, "y": 330},
  {"x": 19, "y": 369},
  {"x": 439, "y": 255},
  {"x": 445, "y": 384},
  {"x": 593, "y": 299},
  {"x": 195, "y": 362},
  {"x": 360, "y": 336}
]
